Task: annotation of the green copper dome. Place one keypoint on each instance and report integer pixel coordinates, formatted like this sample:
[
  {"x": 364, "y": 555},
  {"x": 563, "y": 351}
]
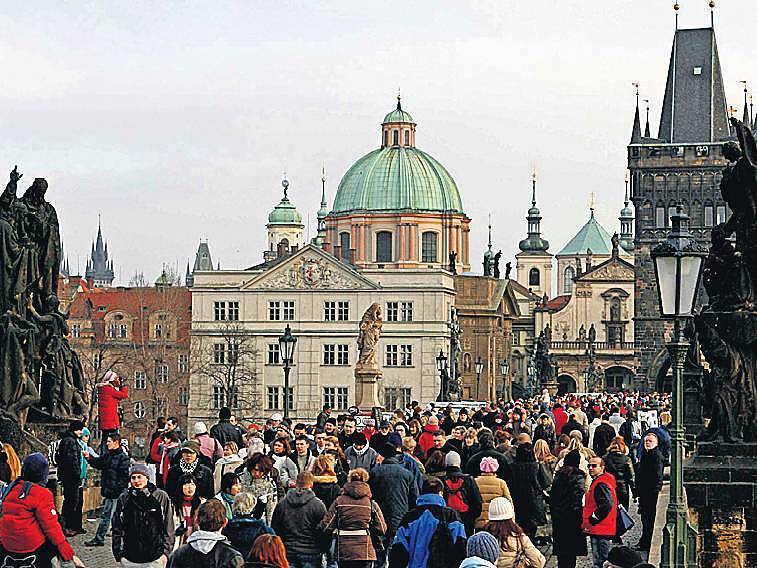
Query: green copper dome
[
  {"x": 591, "y": 236},
  {"x": 397, "y": 179},
  {"x": 285, "y": 213},
  {"x": 398, "y": 115}
]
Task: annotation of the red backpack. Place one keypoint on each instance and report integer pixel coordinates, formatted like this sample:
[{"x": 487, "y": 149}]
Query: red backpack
[{"x": 454, "y": 494}]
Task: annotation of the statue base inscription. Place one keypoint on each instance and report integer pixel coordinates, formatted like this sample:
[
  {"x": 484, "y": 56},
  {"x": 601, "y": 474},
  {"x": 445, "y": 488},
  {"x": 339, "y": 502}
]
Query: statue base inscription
[{"x": 366, "y": 388}]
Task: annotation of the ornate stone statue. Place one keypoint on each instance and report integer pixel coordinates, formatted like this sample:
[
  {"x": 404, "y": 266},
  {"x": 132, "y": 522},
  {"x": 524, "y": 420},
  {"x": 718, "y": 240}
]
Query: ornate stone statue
[
  {"x": 508, "y": 268},
  {"x": 453, "y": 262},
  {"x": 592, "y": 334},
  {"x": 367, "y": 341},
  {"x": 582, "y": 333},
  {"x": 496, "y": 263}
]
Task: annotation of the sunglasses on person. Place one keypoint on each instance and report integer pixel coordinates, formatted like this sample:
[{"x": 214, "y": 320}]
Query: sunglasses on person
[{"x": 593, "y": 465}]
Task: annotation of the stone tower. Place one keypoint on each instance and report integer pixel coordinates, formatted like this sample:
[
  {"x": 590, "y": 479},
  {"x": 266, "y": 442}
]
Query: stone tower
[
  {"x": 284, "y": 228},
  {"x": 99, "y": 267},
  {"x": 682, "y": 165},
  {"x": 534, "y": 263},
  {"x": 203, "y": 261}
]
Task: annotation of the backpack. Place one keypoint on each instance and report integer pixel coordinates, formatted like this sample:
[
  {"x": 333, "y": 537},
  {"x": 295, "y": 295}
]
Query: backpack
[{"x": 453, "y": 489}]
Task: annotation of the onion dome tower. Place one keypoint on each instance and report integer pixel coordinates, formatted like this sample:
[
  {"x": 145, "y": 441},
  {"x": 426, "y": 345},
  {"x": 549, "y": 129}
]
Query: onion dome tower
[
  {"x": 284, "y": 228},
  {"x": 534, "y": 263}
]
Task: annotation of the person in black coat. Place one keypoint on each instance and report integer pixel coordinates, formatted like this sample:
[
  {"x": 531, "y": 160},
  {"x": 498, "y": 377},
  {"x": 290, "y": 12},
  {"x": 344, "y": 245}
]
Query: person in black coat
[
  {"x": 603, "y": 436},
  {"x": 527, "y": 484},
  {"x": 68, "y": 457},
  {"x": 224, "y": 431},
  {"x": 487, "y": 449},
  {"x": 649, "y": 473},
  {"x": 114, "y": 464},
  {"x": 566, "y": 503},
  {"x": 545, "y": 431},
  {"x": 465, "y": 487},
  {"x": 207, "y": 548},
  {"x": 244, "y": 527},
  {"x": 189, "y": 462},
  {"x": 620, "y": 466}
]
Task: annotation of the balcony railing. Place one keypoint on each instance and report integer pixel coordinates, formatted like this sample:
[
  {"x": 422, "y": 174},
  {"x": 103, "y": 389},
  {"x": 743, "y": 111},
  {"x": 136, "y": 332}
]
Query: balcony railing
[{"x": 584, "y": 345}]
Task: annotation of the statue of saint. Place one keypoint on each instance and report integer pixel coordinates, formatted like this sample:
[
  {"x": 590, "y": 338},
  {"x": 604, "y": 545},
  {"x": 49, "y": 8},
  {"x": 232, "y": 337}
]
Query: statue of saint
[
  {"x": 367, "y": 341},
  {"x": 592, "y": 334},
  {"x": 496, "y": 263},
  {"x": 508, "y": 268},
  {"x": 453, "y": 262},
  {"x": 582, "y": 333}
]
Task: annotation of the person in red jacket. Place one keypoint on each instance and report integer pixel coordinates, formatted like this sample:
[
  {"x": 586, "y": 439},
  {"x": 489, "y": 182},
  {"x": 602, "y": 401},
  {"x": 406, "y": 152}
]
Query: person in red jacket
[
  {"x": 426, "y": 439},
  {"x": 30, "y": 533},
  {"x": 561, "y": 417},
  {"x": 109, "y": 393},
  {"x": 600, "y": 511}
]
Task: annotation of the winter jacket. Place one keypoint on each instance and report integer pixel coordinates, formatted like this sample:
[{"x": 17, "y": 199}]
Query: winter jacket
[
  {"x": 302, "y": 463},
  {"x": 430, "y": 535},
  {"x": 68, "y": 458},
  {"x": 203, "y": 478},
  {"x": 490, "y": 486},
  {"x": 377, "y": 441},
  {"x": 561, "y": 417},
  {"x": 394, "y": 489},
  {"x": 566, "y": 504},
  {"x": 115, "y": 472},
  {"x": 532, "y": 555},
  {"x": 620, "y": 466},
  {"x": 326, "y": 488},
  {"x": 242, "y": 532},
  {"x": 296, "y": 519},
  {"x": 527, "y": 488},
  {"x": 600, "y": 511},
  {"x": 603, "y": 436},
  {"x": 29, "y": 519},
  {"x": 414, "y": 468},
  {"x": 107, "y": 406},
  {"x": 476, "y": 562},
  {"x": 143, "y": 528},
  {"x": 465, "y": 488},
  {"x": 473, "y": 467},
  {"x": 227, "y": 464},
  {"x": 545, "y": 432},
  {"x": 224, "y": 432},
  {"x": 350, "y": 516},
  {"x": 426, "y": 439},
  {"x": 287, "y": 469},
  {"x": 205, "y": 549},
  {"x": 649, "y": 472},
  {"x": 263, "y": 487},
  {"x": 365, "y": 459},
  {"x": 210, "y": 447}
]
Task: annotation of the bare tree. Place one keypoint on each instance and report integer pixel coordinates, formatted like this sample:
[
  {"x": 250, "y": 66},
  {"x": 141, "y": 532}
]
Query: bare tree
[{"x": 226, "y": 361}]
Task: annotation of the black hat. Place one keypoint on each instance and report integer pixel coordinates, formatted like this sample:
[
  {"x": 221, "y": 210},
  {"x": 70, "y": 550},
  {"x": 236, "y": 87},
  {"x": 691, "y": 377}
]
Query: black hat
[
  {"x": 359, "y": 439},
  {"x": 388, "y": 451},
  {"x": 625, "y": 557},
  {"x": 384, "y": 424},
  {"x": 573, "y": 458}
]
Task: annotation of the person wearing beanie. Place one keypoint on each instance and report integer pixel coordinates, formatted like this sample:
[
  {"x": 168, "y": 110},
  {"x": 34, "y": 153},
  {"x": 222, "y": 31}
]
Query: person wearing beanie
[
  {"x": 189, "y": 462},
  {"x": 381, "y": 436},
  {"x": 211, "y": 450},
  {"x": 360, "y": 454},
  {"x": 69, "y": 460},
  {"x": 513, "y": 541},
  {"x": 420, "y": 541},
  {"x": 394, "y": 489},
  {"x": 461, "y": 492},
  {"x": 224, "y": 431},
  {"x": 566, "y": 503},
  {"x": 110, "y": 392},
  {"x": 29, "y": 524},
  {"x": 489, "y": 486},
  {"x": 482, "y": 551},
  {"x": 143, "y": 522}
]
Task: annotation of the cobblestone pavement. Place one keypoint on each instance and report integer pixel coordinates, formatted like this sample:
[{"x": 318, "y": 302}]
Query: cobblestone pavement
[{"x": 102, "y": 557}]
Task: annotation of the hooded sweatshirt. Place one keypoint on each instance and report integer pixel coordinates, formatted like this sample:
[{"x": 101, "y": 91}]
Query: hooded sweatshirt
[
  {"x": 206, "y": 549},
  {"x": 296, "y": 519}
]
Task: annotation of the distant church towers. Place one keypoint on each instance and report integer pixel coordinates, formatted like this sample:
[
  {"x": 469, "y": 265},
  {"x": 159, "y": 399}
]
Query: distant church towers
[{"x": 99, "y": 266}]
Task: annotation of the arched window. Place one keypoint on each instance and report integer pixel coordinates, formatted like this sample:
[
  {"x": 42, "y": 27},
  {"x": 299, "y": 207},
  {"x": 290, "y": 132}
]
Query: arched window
[
  {"x": 384, "y": 246},
  {"x": 429, "y": 246},
  {"x": 283, "y": 247},
  {"x": 396, "y": 137},
  {"x": 615, "y": 309},
  {"x": 569, "y": 274},
  {"x": 386, "y": 137},
  {"x": 344, "y": 244},
  {"x": 407, "y": 138},
  {"x": 534, "y": 277}
]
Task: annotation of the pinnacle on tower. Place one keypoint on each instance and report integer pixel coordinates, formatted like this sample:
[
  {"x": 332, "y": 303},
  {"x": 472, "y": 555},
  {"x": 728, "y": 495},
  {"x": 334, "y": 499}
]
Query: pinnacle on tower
[
  {"x": 636, "y": 130},
  {"x": 745, "y": 117},
  {"x": 646, "y": 128}
]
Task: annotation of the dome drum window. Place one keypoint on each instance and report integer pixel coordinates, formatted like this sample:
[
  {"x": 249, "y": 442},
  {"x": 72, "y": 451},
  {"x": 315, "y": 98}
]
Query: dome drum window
[
  {"x": 429, "y": 246},
  {"x": 384, "y": 246},
  {"x": 534, "y": 278}
]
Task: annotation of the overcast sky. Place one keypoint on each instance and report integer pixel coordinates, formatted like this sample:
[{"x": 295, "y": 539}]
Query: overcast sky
[{"x": 175, "y": 120}]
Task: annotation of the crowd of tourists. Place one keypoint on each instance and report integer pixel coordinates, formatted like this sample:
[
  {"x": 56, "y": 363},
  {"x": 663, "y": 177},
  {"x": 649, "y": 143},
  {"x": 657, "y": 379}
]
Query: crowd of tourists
[{"x": 490, "y": 486}]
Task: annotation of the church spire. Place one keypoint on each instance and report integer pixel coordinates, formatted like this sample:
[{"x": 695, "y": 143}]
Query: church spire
[
  {"x": 745, "y": 117},
  {"x": 636, "y": 130},
  {"x": 320, "y": 238},
  {"x": 533, "y": 242},
  {"x": 99, "y": 270},
  {"x": 646, "y": 128},
  {"x": 626, "y": 222}
]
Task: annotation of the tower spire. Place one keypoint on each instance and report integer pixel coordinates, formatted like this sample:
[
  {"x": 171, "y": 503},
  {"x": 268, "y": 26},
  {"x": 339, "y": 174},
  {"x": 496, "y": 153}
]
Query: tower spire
[
  {"x": 676, "y": 7},
  {"x": 745, "y": 117},
  {"x": 399, "y": 97},
  {"x": 533, "y": 187},
  {"x": 636, "y": 130},
  {"x": 646, "y": 128},
  {"x": 712, "y": 14},
  {"x": 490, "y": 231}
]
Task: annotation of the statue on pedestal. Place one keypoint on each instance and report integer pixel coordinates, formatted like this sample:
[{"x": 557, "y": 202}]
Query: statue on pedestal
[{"x": 367, "y": 372}]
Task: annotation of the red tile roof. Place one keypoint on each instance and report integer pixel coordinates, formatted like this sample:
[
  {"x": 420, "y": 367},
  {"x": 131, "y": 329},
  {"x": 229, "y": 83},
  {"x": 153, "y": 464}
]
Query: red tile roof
[{"x": 558, "y": 303}]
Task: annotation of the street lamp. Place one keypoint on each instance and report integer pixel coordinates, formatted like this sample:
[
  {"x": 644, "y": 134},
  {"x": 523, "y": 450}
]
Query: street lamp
[
  {"x": 441, "y": 366},
  {"x": 479, "y": 370},
  {"x": 678, "y": 268},
  {"x": 504, "y": 366},
  {"x": 286, "y": 348}
]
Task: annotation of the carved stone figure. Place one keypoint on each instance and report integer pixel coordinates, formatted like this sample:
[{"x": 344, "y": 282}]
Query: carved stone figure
[
  {"x": 582, "y": 333},
  {"x": 496, "y": 263},
  {"x": 543, "y": 360},
  {"x": 367, "y": 341},
  {"x": 508, "y": 269},
  {"x": 592, "y": 334},
  {"x": 453, "y": 262}
]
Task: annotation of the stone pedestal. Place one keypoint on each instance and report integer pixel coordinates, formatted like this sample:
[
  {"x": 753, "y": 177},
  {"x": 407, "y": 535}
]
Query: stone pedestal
[
  {"x": 551, "y": 387},
  {"x": 366, "y": 388},
  {"x": 721, "y": 488}
]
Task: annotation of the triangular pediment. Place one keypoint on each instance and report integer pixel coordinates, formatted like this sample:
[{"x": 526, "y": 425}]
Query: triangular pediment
[
  {"x": 310, "y": 269},
  {"x": 614, "y": 269}
]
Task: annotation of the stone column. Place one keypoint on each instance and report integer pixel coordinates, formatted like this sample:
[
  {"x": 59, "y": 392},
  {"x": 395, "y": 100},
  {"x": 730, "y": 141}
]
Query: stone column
[
  {"x": 413, "y": 239},
  {"x": 361, "y": 252}
]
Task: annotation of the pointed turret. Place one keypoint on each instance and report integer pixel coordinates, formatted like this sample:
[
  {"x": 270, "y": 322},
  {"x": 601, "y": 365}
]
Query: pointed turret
[
  {"x": 99, "y": 270},
  {"x": 626, "y": 223},
  {"x": 323, "y": 212},
  {"x": 746, "y": 119},
  {"x": 636, "y": 130},
  {"x": 534, "y": 243},
  {"x": 534, "y": 263},
  {"x": 647, "y": 134}
]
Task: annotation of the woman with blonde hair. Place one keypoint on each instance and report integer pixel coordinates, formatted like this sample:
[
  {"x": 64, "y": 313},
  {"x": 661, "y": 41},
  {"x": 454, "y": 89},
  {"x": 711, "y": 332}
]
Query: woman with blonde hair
[
  {"x": 544, "y": 457},
  {"x": 408, "y": 447},
  {"x": 618, "y": 463},
  {"x": 229, "y": 463}
]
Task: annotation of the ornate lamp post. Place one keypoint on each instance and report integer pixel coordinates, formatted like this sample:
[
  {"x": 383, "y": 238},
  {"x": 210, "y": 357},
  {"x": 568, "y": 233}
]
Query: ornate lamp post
[
  {"x": 286, "y": 348},
  {"x": 504, "y": 366},
  {"x": 441, "y": 366},
  {"x": 678, "y": 268},
  {"x": 479, "y": 370}
]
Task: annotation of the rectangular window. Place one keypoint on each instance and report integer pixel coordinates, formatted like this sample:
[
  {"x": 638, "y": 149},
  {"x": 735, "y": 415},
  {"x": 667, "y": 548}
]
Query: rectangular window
[
  {"x": 274, "y": 355},
  {"x": 183, "y": 396},
  {"x": 336, "y": 397},
  {"x": 219, "y": 353},
  {"x": 276, "y": 399},
  {"x": 407, "y": 311},
  {"x": 660, "y": 216},
  {"x": 329, "y": 311},
  {"x": 287, "y": 309},
  {"x": 342, "y": 311},
  {"x": 702, "y": 151},
  {"x": 183, "y": 363},
  {"x": 708, "y": 216},
  {"x": 392, "y": 311},
  {"x": 397, "y": 397},
  {"x": 158, "y": 330},
  {"x": 123, "y": 331},
  {"x": 97, "y": 360},
  {"x": 219, "y": 400},
  {"x": 406, "y": 355},
  {"x": 274, "y": 311},
  {"x": 391, "y": 355},
  {"x": 232, "y": 353},
  {"x": 140, "y": 380},
  {"x": 343, "y": 354},
  {"x": 76, "y": 330},
  {"x": 383, "y": 246},
  {"x": 721, "y": 214},
  {"x": 516, "y": 338},
  {"x": 219, "y": 311},
  {"x": 112, "y": 331},
  {"x": 428, "y": 246},
  {"x": 233, "y": 308},
  {"x": 161, "y": 372},
  {"x": 329, "y": 354}
]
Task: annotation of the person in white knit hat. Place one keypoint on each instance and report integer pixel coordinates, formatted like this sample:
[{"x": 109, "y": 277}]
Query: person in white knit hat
[{"x": 513, "y": 542}]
